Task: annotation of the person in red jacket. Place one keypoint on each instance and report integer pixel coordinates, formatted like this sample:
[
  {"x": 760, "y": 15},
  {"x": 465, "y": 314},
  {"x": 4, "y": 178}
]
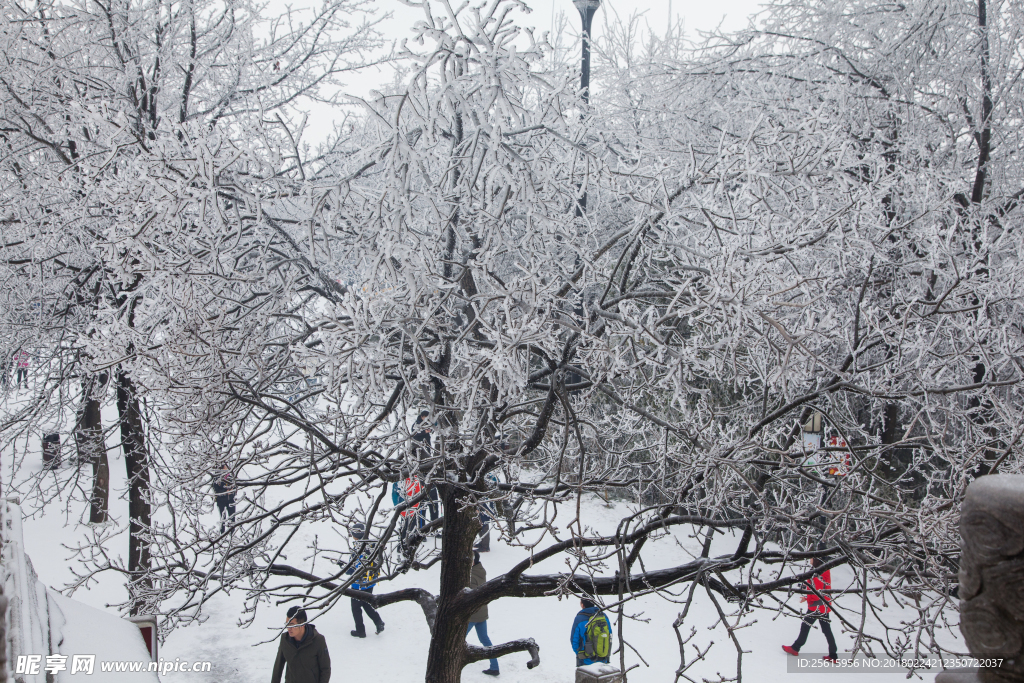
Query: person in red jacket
[
  {"x": 817, "y": 611},
  {"x": 412, "y": 517}
]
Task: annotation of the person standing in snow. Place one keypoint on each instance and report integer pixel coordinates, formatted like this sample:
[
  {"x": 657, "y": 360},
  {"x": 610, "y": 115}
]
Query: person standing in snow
[
  {"x": 224, "y": 489},
  {"x": 421, "y": 431},
  {"x": 366, "y": 572},
  {"x": 817, "y": 611},
  {"x": 478, "y": 619},
  {"x": 591, "y": 634},
  {"x": 303, "y": 650},
  {"x": 487, "y": 513},
  {"x": 406, "y": 488},
  {"x": 483, "y": 543},
  {"x": 21, "y": 359}
]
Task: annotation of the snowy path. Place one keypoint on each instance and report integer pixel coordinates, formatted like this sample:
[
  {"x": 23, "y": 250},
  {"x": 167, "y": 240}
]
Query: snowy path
[{"x": 399, "y": 654}]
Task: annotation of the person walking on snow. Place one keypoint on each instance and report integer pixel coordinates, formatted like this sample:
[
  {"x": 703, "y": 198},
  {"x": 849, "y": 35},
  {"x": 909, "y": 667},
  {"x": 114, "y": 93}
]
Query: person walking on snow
[
  {"x": 224, "y": 489},
  {"x": 591, "y": 634},
  {"x": 478, "y": 619},
  {"x": 366, "y": 572},
  {"x": 303, "y": 650},
  {"x": 817, "y": 611}
]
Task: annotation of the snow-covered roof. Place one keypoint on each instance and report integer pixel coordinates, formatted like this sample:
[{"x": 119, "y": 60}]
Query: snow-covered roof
[{"x": 41, "y": 621}]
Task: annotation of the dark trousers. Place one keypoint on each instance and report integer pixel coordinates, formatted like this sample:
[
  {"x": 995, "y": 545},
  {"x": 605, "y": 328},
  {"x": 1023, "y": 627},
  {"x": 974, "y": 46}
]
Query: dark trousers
[
  {"x": 22, "y": 378},
  {"x": 435, "y": 503},
  {"x": 481, "y": 633},
  {"x": 823, "y": 624},
  {"x": 483, "y": 543},
  {"x": 409, "y": 524},
  {"x": 357, "y": 613},
  {"x": 226, "y": 504}
]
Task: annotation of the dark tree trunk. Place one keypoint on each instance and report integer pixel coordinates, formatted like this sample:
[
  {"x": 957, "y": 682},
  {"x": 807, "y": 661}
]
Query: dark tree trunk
[
  {"x": 981, "y": 409},
  {"x": 136, "y": 458},
  {"x": 448, "y": 652},
  {"x": 984, "y": 136},
  {"x": 900, "y": 459},
  {"x": 91, "y": 446}
]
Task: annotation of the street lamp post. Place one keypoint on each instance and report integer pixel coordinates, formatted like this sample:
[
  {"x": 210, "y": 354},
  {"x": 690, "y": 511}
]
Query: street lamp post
[{"x": 587, "y": 9}]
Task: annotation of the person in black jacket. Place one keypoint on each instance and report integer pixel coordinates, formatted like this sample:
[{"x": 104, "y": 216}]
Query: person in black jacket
[
  {"x": 303, "y": 650},
  {"x": 224, "y": 489}
]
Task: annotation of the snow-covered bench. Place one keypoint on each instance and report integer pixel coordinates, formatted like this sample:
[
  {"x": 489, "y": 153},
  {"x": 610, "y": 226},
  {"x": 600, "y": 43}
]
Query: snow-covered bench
[{"x": 598, "y": 673}]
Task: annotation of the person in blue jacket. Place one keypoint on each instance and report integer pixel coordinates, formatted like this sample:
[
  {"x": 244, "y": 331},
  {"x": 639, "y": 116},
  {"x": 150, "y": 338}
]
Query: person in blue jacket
[
  {"x": 366, "y": 579},
  {"x": 578, "y": 636}
]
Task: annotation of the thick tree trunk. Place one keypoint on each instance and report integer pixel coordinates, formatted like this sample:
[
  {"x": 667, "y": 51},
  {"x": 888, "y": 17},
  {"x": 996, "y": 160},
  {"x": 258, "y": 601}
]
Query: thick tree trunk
[
  {"x": 447, "y": 653},
  {"x": 136, "y": 458},
  {"x": 91, "y": 447}
]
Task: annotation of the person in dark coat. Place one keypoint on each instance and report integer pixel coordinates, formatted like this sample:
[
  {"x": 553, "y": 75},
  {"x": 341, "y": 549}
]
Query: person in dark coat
[
  {"x": 366, "y": 581},
  {"x": 817, "y": 612},
  {"x": 224, "y": 489},
  {"x": 578, "y": 635},
  {"x": 303, "y": 650},
  {"x": 478, "y": 620}
]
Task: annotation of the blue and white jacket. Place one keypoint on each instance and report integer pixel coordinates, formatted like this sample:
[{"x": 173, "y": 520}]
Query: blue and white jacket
[{"x": 366, "y": 579}]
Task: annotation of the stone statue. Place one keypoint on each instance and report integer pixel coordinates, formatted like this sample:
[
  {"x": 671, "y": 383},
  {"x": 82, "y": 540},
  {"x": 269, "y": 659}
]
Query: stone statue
[{"x": 992, "y": 578}]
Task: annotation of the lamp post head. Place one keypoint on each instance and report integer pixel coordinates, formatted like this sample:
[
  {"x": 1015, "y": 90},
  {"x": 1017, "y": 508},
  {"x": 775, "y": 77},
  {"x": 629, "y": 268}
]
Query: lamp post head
[{"x": 587, "y": 6}]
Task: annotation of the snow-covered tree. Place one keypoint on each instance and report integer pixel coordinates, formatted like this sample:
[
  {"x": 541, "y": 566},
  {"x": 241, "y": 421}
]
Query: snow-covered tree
[
  {"x": 120, "y": 121},
  {"x": 779, "y": 225}
]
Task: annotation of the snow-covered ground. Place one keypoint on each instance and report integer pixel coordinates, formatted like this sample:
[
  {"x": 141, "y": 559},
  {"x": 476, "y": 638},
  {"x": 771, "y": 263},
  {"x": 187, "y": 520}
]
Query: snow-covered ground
[{"x": 399, "y": 654}]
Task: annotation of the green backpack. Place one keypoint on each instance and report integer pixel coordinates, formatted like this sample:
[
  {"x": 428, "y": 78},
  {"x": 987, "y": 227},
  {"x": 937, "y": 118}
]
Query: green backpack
[{"x": 598, "y": 643}]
